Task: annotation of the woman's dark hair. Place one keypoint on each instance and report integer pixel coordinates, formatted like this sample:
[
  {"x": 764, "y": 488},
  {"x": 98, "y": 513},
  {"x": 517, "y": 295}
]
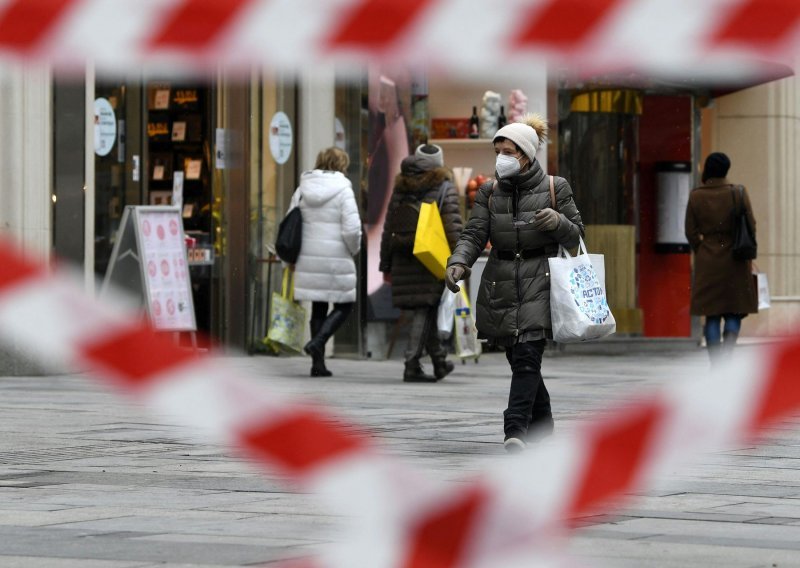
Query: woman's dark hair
[
  {"x": 716, "y": 166},
  {"x": 503, "y": 138}
]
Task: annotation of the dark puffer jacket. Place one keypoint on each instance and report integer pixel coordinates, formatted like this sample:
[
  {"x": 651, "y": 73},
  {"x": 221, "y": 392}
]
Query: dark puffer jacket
[
  {"x": 413, "y": 285},
  {"x": 514, "y": 297}
]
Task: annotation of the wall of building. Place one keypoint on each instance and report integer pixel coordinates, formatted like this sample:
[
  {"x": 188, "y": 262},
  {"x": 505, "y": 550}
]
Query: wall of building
[
  {"x": 25, "y": 150},
  {"x": 758, "y": 129},
  {"x": 25, "y": 175},
  {"x": 665, "y": 135}
]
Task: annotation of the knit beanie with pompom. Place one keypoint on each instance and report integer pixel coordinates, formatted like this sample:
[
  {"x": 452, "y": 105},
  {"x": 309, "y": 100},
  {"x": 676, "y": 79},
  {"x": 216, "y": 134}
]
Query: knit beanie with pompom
[{"x": 527, "y": 133}]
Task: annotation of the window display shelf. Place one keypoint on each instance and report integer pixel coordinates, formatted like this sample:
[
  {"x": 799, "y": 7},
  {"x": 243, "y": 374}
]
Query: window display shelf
[
  {"x": 461, "y": 142},
  {"x": 475, "y": 153}
]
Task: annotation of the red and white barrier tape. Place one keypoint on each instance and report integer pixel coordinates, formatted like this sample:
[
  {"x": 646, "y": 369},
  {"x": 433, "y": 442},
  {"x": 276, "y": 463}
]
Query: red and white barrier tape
[
  {"x": 459, "y": 36},
  {"x": 505, "y": 517}
]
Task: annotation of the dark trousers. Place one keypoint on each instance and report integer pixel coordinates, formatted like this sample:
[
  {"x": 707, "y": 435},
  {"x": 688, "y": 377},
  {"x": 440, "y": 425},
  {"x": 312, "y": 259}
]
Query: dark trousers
[
  {"x": 319, "y": 310},
  {"x": 423, "y": 335},
  {"x": 323, "y": 324},
  {"x": 528, "y": 399}
]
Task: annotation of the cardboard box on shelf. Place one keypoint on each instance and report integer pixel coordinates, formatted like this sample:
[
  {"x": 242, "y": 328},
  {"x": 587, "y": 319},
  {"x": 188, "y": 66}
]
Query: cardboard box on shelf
[{"x": 450, "y": 128}]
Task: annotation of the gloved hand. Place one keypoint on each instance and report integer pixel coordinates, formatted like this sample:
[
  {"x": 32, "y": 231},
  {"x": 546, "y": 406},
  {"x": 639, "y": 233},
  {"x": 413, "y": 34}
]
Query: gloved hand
[
  {"x": 453, "y": 274},
  {"x": 546, "y": 220}
]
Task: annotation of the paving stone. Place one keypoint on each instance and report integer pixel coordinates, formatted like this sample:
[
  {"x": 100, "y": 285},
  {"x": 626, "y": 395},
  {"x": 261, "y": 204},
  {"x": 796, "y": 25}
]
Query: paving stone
[
  {"x": 89, "y": 480},
  {"x": 49, "y": 562}
]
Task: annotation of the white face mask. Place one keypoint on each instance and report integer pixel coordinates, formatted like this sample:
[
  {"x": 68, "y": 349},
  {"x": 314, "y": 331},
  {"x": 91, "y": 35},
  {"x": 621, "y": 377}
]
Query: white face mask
[{"x": 506, "y": 166}]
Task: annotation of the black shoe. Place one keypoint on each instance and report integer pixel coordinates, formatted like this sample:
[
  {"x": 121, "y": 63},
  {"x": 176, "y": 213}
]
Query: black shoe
[
  {"x": 414, "y": 373},
  {"x": 442, "y": 368},
  {"x": 313, "y": 349},
  {"x": 320, "y": 371},
  {"x": 318, "y": 368}
]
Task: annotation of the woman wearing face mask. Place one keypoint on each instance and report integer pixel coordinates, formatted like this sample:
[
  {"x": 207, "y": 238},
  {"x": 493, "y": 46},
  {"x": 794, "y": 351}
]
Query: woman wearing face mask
[{"x": 516, "y": 215}]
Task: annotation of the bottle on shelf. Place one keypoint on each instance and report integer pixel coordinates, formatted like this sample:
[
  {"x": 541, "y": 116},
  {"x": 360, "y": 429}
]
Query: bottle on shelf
[
  {"x": 474, "y": 131},
  {"x": 501, "y": 120}
]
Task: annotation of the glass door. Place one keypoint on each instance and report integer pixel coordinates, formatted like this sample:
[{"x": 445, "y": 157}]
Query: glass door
[{"x": 117, "y": 155}]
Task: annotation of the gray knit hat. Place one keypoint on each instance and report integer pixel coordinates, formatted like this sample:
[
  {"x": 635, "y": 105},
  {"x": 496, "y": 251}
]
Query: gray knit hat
[
  {"x": 522, "y": 135},
  {"x": 431, "y": 156}
]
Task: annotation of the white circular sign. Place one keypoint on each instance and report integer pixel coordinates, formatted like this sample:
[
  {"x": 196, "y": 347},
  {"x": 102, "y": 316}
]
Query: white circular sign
[
  {"x": 280, "y": 137},
  {"x": 105, "y": 127},
  {"x": 339, "y": 136}
]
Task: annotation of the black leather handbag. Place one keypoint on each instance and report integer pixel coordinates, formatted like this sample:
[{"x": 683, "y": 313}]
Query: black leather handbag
[
  {"x": 290, "y": 235},
  {"x": 744, "y": 239}
]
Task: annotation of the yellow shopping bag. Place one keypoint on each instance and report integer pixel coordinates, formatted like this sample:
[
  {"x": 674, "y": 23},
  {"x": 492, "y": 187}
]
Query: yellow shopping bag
[
  {"x": 430, "y": 243},
  {"x": 286, "y": 319}
]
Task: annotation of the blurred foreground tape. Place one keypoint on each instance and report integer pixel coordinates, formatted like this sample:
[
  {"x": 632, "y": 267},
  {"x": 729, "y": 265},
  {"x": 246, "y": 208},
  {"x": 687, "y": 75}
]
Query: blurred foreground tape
[
  {"x": 510, "y": 515},
  {"x": 462, "y": 37}
]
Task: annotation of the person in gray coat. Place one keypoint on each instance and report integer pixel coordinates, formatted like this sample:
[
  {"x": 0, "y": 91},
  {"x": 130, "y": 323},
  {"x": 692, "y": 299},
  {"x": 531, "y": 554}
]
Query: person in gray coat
[
  {"x": 516, "y": 215},
  {"x": 422, "y": 179}
]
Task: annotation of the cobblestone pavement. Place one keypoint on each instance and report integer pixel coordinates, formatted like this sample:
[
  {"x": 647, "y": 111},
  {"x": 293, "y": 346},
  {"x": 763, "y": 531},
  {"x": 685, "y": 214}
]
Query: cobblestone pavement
[{"x": 89, "y": 480}]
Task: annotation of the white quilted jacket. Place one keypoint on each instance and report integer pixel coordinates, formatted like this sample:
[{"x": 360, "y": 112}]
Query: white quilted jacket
[{"x": 325, "y": 271}]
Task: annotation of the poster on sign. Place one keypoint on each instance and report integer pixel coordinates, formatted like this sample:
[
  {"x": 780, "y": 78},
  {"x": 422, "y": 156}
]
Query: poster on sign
[{"x": 149, "y": 257}]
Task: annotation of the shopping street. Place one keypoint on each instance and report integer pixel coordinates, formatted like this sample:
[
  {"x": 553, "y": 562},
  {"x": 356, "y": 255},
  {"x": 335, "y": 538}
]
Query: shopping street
[{"x": 86, "y": 479}]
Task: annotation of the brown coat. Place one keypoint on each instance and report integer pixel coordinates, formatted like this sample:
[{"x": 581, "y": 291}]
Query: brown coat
[
  {"x": 413, "y": 285},
  {"x": 721, "y": 284}
]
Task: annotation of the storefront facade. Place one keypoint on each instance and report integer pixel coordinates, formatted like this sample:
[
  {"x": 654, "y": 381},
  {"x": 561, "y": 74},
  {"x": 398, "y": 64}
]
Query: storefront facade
[
  {"x": 620, "y": 148},
  {"x": 213, "y": 142},
  {"x": 71, "y": 205}
]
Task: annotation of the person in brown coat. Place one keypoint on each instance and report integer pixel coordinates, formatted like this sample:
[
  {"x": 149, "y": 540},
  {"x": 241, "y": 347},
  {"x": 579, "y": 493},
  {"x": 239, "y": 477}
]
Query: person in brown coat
[
  {"x": 723, "y": 287},
  {"x": 422, "y": 178}
]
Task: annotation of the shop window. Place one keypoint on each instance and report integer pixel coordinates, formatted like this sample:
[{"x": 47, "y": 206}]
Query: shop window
[{"x": 598, "y": 134}]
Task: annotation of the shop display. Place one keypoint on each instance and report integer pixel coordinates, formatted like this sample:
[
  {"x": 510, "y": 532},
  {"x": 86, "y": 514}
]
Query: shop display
[
  {"x": 461, "y": 176},
  {"x": 517, "y": 105},
  {"x": 490, "y": 113},
  {"x": 473, "y": 186},
  {"x": 474, "y": 124},
  {"x": 419, "y": 111},
  {"x": 158, "y": 127},
  {"x": 450, "y": 127},
  {"x": 176, "y": 130},
  {"x": 161, "y": 166}
]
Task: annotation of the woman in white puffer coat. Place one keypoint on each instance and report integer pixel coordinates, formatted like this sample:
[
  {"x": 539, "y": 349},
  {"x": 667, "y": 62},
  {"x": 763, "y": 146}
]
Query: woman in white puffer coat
[{"x": 325, "y": 271}]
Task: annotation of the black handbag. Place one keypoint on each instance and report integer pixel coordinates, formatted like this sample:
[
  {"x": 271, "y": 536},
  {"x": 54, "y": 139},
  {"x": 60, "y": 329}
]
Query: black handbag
[
  {"x": 290, "y": 235},
  {"x": 744, "y": 239}
]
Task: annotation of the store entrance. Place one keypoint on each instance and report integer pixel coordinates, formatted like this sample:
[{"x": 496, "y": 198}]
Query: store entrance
[
  {"x": 598, "y": 133},
  {"x": 152, "y": 147},
  {"x": 612, "y": 145}
]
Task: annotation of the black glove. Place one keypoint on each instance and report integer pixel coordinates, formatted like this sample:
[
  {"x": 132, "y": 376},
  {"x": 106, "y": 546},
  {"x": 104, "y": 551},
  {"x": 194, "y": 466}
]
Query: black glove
[
  {"x": 453, "y": 274},
  {"x": 546, "y": 220}
]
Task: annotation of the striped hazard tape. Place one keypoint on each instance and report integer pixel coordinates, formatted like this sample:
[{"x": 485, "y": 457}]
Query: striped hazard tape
[
  {"x": 459, "y": 36},
  {"x": 510, "y": 515}
]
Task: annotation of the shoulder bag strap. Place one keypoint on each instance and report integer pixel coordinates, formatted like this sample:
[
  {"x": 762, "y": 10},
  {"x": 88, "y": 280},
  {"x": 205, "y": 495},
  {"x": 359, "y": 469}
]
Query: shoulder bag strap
[
  {"x": 553, "y": 193},
  {"x": 495, "y": 184},
  {"x": 737, "y": 204},
  {"x": 741, "y": 199},
  {"x": 442, "y": 194}
]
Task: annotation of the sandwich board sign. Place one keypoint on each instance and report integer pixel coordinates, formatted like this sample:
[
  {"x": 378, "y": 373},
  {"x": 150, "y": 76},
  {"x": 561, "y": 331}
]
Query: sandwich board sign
[{"x": 149, "y": 260}]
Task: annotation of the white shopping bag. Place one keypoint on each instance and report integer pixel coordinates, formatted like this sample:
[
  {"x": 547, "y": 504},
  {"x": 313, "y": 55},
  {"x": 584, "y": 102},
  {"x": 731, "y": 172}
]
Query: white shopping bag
[
  {"x": 578, "y": 304},
  {"x": 446, "y": 313},
  {"x": 466, "y": 344},
  {"x": 764, "y": 300}
]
